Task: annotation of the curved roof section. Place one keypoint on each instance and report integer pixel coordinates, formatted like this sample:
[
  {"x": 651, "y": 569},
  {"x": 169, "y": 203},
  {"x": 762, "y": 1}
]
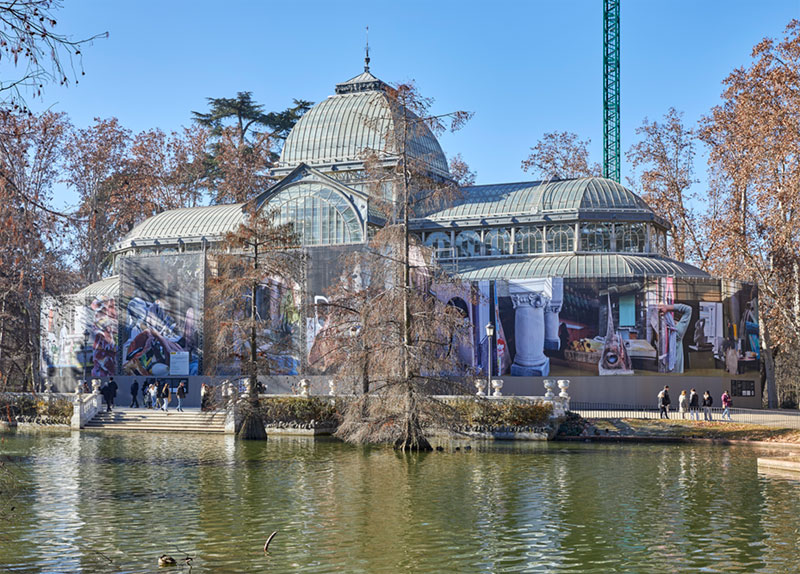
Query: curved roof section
[
  {"x": 598, "y": 265},
  {"x": 190, "y": 222},
  {"x": 358, "y": 118},
  {"x": 108, "y": 287},
  {"x": 543, "y": 197}
]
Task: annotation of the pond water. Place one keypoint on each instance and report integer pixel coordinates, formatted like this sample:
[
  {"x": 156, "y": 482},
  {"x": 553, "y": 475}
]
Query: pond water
[{"x": 91, "y": 502}]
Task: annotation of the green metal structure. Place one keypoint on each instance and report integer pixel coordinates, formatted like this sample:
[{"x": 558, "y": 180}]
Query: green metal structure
[{"x": 611, "y": 144}]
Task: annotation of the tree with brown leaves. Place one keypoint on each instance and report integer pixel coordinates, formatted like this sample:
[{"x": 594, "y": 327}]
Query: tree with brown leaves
[
  {"x": 32, "y": 258},
  {"x": 663, "y": 163},
  {"x": 561, "y": 155},
  {"x": 394, "y": 329},
  {"x": 252, "y": 295},
  {"x": 754, "y": 141}
]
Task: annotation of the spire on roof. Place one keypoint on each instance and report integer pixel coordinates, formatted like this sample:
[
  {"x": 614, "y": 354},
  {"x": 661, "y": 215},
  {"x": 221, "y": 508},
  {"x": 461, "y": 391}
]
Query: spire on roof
[{"x": 366, "y": 59}]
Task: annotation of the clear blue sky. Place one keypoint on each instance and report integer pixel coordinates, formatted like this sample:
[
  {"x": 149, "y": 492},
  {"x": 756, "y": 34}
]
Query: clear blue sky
[{"x": 523, "y": 68}]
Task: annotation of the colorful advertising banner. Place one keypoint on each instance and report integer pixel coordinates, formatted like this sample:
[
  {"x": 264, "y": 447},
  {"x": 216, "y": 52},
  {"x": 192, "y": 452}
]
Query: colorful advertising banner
[{"x": 162, "y": 301}]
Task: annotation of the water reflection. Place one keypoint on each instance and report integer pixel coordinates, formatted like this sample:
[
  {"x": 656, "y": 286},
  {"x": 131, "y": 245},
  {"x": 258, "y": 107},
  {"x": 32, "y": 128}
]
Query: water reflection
[{"x": 90, "y": 498}]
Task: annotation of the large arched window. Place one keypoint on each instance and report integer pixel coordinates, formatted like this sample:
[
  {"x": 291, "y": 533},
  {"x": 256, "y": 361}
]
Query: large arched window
[
  {"x": 320, "y": 215},
  {"x": 632, "y": 238},
  {"x": 560, "y": 238},
  {"x": 528, "y": 240},
  {"x": 596, "y": 237},
  {"x": 439, "y": 241},
  {"x": 497, "y": 242},
  {"x": 468, "y": 244}
]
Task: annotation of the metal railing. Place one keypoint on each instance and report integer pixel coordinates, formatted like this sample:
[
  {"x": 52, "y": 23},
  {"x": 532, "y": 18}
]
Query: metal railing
[{"x": 774, "y": 418}]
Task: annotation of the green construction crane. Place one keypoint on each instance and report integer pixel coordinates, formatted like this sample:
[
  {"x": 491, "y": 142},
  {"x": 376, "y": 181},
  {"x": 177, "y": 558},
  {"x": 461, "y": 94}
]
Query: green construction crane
[{"x": 611, "y": 90}]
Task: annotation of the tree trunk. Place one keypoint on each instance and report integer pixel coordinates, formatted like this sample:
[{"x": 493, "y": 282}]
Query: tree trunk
[
  {"x": 769, "y": 364},
  {"x": 253, "y": 425}
]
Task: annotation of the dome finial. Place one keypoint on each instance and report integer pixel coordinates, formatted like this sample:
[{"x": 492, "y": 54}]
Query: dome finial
[{"x": 366, "y": 58}]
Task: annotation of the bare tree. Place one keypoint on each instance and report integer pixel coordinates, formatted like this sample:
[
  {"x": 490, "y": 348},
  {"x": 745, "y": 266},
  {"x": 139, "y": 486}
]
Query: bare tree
[
  {"x": 561, "y": 155},
  {"x": 29, "y": 42},
  {"x": 32, "y": 262},
  {"x": 663, "y": 162},
  {"x": 397, "y": 333},
  {"x": 754, "y": 143},
  {"x": 243, "y": 294}
]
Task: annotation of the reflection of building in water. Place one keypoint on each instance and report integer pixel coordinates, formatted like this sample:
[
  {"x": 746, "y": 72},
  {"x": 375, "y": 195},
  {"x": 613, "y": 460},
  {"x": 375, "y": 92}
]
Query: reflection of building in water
[{"x": 553, "y": 263}]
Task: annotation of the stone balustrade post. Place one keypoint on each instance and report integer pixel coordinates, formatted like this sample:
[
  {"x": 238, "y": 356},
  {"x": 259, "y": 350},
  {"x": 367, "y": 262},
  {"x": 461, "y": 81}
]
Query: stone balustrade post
[
  {"x": 530, "y": 360},
  {"x": 304, "y": 386}
]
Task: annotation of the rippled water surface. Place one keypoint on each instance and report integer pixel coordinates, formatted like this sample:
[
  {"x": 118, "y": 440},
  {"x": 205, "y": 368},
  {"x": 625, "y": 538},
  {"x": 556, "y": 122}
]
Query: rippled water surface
[{"x": 86, "y": 502}]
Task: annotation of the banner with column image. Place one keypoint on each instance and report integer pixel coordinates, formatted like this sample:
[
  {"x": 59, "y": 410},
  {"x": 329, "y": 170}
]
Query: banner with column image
[{"x": 674, "y": 326}]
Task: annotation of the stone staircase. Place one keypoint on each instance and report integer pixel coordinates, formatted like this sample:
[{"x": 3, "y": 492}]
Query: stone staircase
[{"x": 191, "y": 420}]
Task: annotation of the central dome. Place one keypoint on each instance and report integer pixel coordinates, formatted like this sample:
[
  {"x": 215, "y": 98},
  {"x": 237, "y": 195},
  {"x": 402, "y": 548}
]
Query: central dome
[{"x": 343, "y": 127}]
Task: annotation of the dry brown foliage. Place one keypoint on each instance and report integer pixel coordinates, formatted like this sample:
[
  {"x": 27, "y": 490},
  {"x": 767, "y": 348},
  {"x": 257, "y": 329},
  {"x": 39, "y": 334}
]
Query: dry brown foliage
[{"x": 561, "y": 155}]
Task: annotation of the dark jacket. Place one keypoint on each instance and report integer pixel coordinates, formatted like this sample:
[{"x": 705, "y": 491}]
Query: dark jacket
[
  {"x": 112, "y": 389},
  {"x": 708, "y": 402},
  {"x": 181, "y": 391},
  {"x": 135, "y": 387},
  {"x": 665, "y": 400},
  {"x": 693, "y": 400}
]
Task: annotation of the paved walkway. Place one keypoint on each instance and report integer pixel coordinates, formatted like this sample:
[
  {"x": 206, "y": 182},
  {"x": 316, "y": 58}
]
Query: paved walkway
[{"x": 773, "y": 418}]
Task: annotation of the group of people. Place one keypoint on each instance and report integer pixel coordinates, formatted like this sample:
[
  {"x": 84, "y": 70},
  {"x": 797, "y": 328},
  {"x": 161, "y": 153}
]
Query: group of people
[
  {"x": 691, "y": 403},
  {"x": 155, "y": 396}
]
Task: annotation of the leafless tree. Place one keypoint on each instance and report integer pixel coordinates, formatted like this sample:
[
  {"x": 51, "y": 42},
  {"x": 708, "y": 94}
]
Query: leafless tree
[{"x": 561, "y": 155}]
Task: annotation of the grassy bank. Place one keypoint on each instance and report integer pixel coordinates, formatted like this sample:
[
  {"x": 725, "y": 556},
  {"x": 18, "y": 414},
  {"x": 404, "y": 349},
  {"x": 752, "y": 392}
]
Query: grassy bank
[{"x": 576, "y": 426}]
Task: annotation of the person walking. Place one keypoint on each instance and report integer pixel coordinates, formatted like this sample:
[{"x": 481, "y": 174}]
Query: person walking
[
  {"x": 105, "y": 392},
  {"x": 683, "y": 403},
  {"x": 135, "y": 394},
  {"x": 664, "y": 402},
  {"x": 166, "y": 396},
  {"x": 708, "y": 402},
  {"x": 145, "y": 392},
  {"x": 112, "y": 391},
  {"x": 153, "y": 392},
  {"x": 181, "y": 395},
  {"x": 694, "y": 405},
  {"x": 727, "y": 402}
]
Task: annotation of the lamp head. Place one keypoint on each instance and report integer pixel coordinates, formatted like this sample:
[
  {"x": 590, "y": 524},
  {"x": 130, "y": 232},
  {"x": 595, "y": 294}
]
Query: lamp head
[{"x": 489, "y": 330}]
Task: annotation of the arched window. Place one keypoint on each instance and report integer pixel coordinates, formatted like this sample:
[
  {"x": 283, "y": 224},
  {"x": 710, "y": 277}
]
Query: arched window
[
  {"x": 320, "y": 215},
  {"x": 632, "y": 238},
  {"x": 497, "y": 242},
  {"x": 661, "y": 242},
  {"x": 439, "y": 242},
  {"x": 560, "y": 238},
  {"x": 468, "y": 244},
  {"x": 528, "y": 240},
  {"x": 596, "y": 237}
]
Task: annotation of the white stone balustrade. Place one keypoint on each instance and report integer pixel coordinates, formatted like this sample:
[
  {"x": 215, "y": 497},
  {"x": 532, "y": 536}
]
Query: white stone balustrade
[{"x": 85, "y": 407}]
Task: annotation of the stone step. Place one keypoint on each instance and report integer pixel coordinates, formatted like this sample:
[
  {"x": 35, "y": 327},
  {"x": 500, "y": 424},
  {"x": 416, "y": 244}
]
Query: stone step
[{"x": 158, "y": 421}]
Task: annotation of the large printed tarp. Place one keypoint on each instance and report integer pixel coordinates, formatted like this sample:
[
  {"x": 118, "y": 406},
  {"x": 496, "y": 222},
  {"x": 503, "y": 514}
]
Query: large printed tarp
[
  {"x": 555, "y": 326},
  {"x": 161, "y": 319},
  {"x": 79, "y": 337}
]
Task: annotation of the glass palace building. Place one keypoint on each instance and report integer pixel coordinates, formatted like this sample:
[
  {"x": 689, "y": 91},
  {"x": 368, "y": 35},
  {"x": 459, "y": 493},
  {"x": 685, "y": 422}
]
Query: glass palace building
[{"x": 573, "y": 274}]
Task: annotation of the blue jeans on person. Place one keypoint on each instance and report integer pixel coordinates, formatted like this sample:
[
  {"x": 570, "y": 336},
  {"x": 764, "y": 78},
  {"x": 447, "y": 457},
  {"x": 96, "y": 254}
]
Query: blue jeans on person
[
  {"x": 726, "y": 412},
  {"x": 179, "y": 403}
]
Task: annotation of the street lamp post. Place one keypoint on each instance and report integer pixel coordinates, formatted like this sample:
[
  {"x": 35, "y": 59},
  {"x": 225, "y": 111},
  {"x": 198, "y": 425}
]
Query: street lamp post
[{"x": 489, "y": 335}]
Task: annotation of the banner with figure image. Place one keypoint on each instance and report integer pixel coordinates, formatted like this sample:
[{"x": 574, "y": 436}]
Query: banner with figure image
[{"x": 162, "y": 310}]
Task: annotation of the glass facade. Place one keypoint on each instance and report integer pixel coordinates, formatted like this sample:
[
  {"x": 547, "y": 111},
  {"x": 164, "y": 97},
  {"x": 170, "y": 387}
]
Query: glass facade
[
  {"x": 560, "y": 238},
  {"x": 468, "y": 244},
  {"x": 528, "y": 240},
  {"x": 633, "y": 238},
  {"x": 321, "y": 216},
  {"x": 440, "y": 242},
  {"x": 596, "y": 237},
  {"x": 497, "y": 242}
]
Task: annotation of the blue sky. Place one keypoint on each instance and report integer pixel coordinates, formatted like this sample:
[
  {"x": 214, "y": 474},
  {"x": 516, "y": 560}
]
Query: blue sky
[{"x": 523, "y": 68}]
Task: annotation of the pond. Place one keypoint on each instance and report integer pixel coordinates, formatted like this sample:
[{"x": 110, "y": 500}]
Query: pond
[{"x": 92, "y": 502}]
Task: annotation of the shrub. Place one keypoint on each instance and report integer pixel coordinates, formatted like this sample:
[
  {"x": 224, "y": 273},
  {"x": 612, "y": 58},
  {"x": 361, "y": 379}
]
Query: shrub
[
  {"x": 299, "y": 410},
  {"x": 502, "y": 413}
]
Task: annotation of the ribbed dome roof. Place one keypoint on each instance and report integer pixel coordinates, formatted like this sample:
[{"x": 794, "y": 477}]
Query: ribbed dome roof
[
  {"x": 357, "y": 118},
  {"x": 191, "y": 222},
  {"x": 583, "y": 265},
  {"x": 587, "y": 193}
]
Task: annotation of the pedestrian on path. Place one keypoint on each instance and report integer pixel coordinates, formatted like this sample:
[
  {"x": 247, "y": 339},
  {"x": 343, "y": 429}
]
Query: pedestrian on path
[
  {"x": 135, "y": 394},
  {"x": 181, "y": 395},
  {"x": 112, "y": 391},
  {"x": 694, "y": 408},
  {"x": 727, "y": 402},
  {"x": 153, "y": 394},
  {"x": 683, "y": 403},
  {"x": 708, "y": 402},
  {"x": 664, "y": 402},
  {"x": 166, "y": 396},
  {"x": 105, "y": 391}
]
